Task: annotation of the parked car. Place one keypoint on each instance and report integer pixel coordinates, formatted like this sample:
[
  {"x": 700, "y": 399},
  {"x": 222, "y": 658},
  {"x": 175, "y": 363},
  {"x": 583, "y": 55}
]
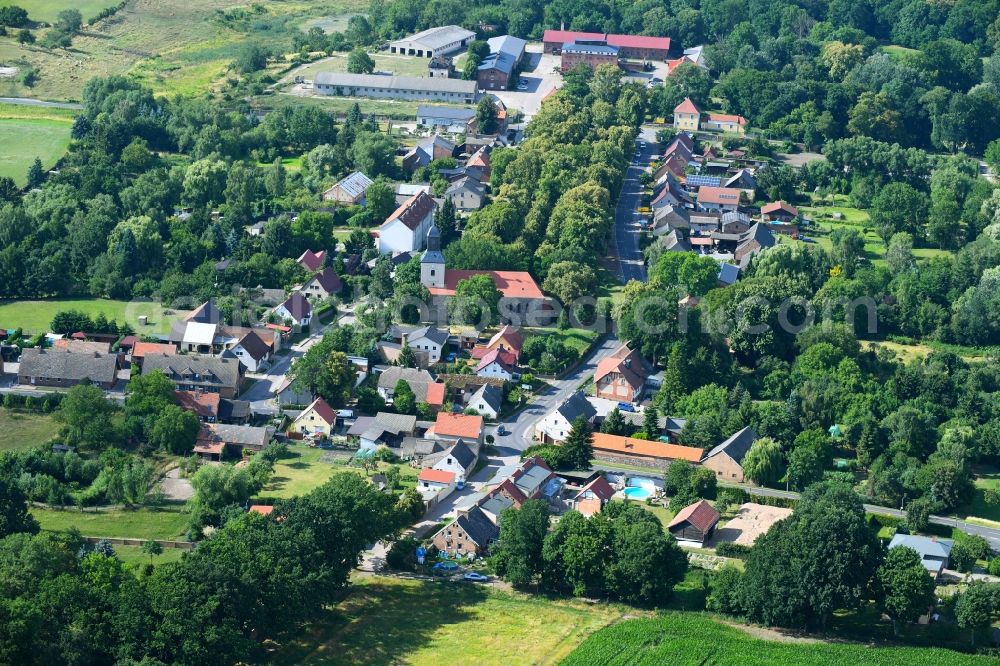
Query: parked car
[
  {"x": 626, "y": 406},
  {"x": 445, "y": 567},
  {"x": 501, "y": 431},
  {"x": 476, "y": 577}
]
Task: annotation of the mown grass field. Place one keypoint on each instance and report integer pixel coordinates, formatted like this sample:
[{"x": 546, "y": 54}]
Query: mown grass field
[
  {"x": 677, "y": 638},
  {"x": 134, "y": 557},
  {"x": 979, "y": 508},
  {"x": 24, "y": 139},
  {"x": 384, "y": 63},
  {"x": 578, "y": 339},
  {"x": 380, "y": 107},
  {"x": 140, "y": 523},
  {"x": 47, "y": 10},
  {"x": 395, "y": 621},
  {"x": 25, "y": 430},
  {"x": 307, "y": 468},
  {"x": 36, "y": 316}
]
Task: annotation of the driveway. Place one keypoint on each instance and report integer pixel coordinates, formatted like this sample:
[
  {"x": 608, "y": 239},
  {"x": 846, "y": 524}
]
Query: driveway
[
  {"x": 521, "y": 426},
  {"x": 541, "y": 76},
  {"x": 625, "y": 241}
]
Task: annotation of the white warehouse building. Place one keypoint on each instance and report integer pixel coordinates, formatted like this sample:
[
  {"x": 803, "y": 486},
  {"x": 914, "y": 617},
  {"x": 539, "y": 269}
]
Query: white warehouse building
[
  {"x": 396, "y": 87},
  {"x": 432, "y": 42}
]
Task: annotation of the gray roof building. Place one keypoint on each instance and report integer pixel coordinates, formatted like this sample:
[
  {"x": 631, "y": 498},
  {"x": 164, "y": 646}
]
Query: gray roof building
[
  {"x": 934, "y": 553},
  {"x": 434, "y": 41},
  {"x": 736, "y": 446},
  {"x": 195, "y": 370},
  {"x": 577, "y": 405},
  {"x": 396, "y": 87},
  {"x": 391, "y": 376},
  {"x": 490, "y": 395},
  {"x": 478, "y": 527},
  {"x": 55, "y": 367},
  {"x": 455, "y": 114}
]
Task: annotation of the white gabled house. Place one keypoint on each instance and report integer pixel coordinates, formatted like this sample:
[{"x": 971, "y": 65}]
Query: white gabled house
[
  {"x": 296, "y": 309},
  {"x": 406, "y": 229}
]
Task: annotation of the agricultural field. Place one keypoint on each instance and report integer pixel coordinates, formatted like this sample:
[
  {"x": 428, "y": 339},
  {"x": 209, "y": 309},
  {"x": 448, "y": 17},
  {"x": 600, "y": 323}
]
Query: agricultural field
[
  {"x": 47, "y": 10},
  {"x": 174, "y": 46},
  {"x": 36, "y": 316},
  {"x": 25, "y": 430},
  {"x": 697, "y": 639},
  {"x": 140, "y": 523},
  {"x": 389, "y": 620},
  {"x": 30, "y": 132}
]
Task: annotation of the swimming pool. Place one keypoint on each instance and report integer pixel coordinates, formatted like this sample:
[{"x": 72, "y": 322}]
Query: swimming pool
[{"x": 636, "y": 493}]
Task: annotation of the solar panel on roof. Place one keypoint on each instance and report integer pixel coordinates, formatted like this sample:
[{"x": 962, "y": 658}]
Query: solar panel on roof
[{"x": 704, "y": 181}]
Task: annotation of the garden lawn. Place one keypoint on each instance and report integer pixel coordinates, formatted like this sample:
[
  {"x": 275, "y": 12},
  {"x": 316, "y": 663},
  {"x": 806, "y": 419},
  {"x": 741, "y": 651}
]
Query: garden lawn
[
  {"x": 47, "y": 10},
  {"x": 389, "y": 620},
  {"x": 978, "y": 508},
  {"x": 578, "y": 339},
  {"x": 24, "y": 139},
  {"x": 306, "y": 468},
  {"x": 679, "y": 639},
  {"x": 384, "y": 63},
  {"x": 139, "y": 523},
  {"x": 36, "y": 316},
  {"x": 25, "y": 430}
]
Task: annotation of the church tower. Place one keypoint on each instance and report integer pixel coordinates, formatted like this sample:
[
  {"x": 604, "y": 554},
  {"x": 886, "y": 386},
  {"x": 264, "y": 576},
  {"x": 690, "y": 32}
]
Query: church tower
[{"x": 432, "y": 263}]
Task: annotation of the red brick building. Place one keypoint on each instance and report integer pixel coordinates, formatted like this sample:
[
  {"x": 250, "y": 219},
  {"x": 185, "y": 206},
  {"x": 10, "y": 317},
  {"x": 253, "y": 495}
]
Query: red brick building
[
  {"x": 629, "y": 46},
  {"x": 591, "y": 54}
]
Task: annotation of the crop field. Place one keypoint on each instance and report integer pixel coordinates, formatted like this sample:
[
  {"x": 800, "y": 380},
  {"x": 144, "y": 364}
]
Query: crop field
[
  {"x": 397, "y": 621},
  {"x": 36, "y": 316},
  {"x": 47, "y": 10},
  {"x": 695, "y": 639}
]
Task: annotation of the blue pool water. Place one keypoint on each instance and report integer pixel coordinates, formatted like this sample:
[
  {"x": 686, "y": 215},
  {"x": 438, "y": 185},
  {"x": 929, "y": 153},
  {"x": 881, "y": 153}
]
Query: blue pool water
[{"x": 636, "y": 493}]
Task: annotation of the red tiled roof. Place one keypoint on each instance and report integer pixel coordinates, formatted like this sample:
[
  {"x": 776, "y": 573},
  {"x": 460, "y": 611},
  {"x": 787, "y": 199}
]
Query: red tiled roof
[
  {"x": 726, "y": 118},
  {"x": 202, "y": 404},
  {"x": 639, "y": 42},
  {"x": 436, "y": 475},
  {"x": 278, "y": 327},
  {"x": 599, "y": 487},
  {"x": 701, "y": 515},
  {"x": 719, "y": 195},
  {"x": 312, "y": 261},
  {"x": 506, "y": 359},
  {"x": 626, "y": 362},
  {"x": 509, "y": 336},
  {"x": 458, "y": 425},
  {"x": 413, "y": 210},
  {"x": 512, "y": 284},
  {"x": 779, "y": 205},
  {"x": 435, "y": 394},
  {"x": 262, "y": 509},
  {"x": 701, "y": 240},
  {"x": 215, "y": 449},
  {"x": 142, "y": 348},
  {"x": 567, "y": 36},
  {"x": 648, "y": 448},
  {"x": 323, "y": 410},
  {"x": 687, "y": 106}
]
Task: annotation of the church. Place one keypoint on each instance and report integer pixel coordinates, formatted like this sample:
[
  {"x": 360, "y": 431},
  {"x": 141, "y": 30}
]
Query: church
[{"x": 523, "y": 303}]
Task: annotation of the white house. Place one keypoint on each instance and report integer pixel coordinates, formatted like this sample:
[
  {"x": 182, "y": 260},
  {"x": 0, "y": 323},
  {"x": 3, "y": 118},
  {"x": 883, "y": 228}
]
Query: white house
[
  {"x": 435, "y": 484},
  {"x": 406, "y": 229},
  {"x": 498, "y": 364},
  {"x": 253, "y": 352},
  {"x": 296, "y": 309},
  {"x": 460, "y": 460},
  {"x": 324, "y": 284},
  {"x": 555, "y": 426},
  {"x": 439, "y": 40},
  {"x": 487, "y": 401},
  {"x": 428, "y": 340}
]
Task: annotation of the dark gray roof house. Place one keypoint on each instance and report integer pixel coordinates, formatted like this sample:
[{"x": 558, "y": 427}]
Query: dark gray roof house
[
  {"x": 192, "y": 372},
  {"x": 577, "y": 405},
  {"x": 478, "y": 527},
  {"x": 62, "y": 367},
  {"x": 737, "y": 445}
]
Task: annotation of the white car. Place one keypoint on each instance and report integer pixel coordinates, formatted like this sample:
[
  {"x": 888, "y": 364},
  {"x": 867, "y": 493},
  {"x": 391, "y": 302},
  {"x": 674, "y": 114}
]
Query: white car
[{"x": 476, "y": 577}]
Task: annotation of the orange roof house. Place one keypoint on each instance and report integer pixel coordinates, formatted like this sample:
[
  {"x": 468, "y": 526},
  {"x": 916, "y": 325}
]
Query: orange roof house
[
  {"x": 649, "y": 452},
  {"x": 431, "y": 475},
  {"x": 512, "y": 284},
  {"x": 462, "y": 426}
]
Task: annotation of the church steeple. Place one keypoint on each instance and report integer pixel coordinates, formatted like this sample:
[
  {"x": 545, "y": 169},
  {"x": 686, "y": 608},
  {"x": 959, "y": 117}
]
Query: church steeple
[{"x": 432, "y": 263}]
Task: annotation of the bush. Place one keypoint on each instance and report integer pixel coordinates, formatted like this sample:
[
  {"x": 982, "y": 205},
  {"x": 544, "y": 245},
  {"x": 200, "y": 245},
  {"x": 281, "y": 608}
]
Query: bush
[
  {"x": 402, "y": 555},
  {"x": 728, "y": 549},
  {"x": 994, "y": 567}
]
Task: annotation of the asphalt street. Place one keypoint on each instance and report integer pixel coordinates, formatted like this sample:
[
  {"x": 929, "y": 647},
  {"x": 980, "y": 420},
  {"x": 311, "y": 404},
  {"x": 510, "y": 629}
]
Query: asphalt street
[{"x": 625, "y": 245}]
